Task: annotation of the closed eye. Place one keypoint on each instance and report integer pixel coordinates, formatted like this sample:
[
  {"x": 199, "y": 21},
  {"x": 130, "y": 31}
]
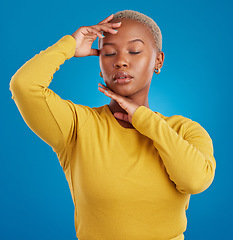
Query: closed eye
[
  {"x": 110, "y": 54},
  {"x": 134, "y": 52}
]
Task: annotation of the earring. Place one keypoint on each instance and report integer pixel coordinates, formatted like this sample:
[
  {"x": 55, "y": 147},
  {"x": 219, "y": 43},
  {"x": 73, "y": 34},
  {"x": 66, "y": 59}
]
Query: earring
[
  {"x": 157, "y": 71},
  {"x": 101, "y": 75}
]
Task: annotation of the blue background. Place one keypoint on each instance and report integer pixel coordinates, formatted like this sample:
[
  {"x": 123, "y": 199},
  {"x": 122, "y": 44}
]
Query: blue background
[{"x": 196, "y": 82}]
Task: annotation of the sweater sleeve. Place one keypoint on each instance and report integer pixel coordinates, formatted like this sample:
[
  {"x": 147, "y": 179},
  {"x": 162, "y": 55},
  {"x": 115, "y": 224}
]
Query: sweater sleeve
[
  {"x": 188, "y": 159},
  {"x": 49, "y": 116}
]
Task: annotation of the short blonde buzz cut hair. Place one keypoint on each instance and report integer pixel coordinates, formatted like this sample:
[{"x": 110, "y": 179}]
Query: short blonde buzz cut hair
[{"x": 144, "y": 19}]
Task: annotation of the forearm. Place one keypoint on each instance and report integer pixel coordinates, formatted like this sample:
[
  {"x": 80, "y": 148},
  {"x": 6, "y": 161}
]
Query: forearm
[
  {"x": 37, "y": 73},
  {"x": 188, "y": 159}
]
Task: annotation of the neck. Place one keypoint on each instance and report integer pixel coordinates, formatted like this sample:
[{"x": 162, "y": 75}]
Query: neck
[{"x": 115, "y": 107}]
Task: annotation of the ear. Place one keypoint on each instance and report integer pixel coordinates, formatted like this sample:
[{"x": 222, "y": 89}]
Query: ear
[{"x": 159, "y": 60}]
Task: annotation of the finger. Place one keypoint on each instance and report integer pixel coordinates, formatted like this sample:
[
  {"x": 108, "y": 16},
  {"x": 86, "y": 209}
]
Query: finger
[
  {"x": 103, "y": 86},
  {"x": 109, "y": 18},
  {"x": 111, "y": 94},
  {"x": 122, "y": 116},
  {"x": 93, "y": 31},
  {"x": 111, "y": 25},
  {"x": 94, "y": 52},
  {"x": 107, "y": 28},
  {"x": 101, "y": 89},
  {"x": 114, "y": 96},
  {"x": 107, "y": 92}
]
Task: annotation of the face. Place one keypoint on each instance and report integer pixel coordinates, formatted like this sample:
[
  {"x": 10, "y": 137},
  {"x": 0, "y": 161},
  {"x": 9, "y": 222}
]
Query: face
[{"x": 128, "y": 59}]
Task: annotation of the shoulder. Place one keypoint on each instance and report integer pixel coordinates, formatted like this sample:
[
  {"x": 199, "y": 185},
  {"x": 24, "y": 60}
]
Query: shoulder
[
  {"x": 84, "y": 113},
  {"x": 174, "y": 119},
  {"x": 184, "y": 125},
  {"x": 82, "y": 109}
]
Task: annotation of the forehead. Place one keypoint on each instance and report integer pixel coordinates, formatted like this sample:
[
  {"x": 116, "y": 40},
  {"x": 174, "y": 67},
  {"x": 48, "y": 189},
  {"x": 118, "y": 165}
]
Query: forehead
[{"x": 128, "y": 31}]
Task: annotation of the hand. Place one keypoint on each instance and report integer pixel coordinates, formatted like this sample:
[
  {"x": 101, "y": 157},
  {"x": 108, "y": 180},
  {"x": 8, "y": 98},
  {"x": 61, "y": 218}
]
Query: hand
[
  {"x": 85, "y": 36},
  {"x": 125, "y": 103}
]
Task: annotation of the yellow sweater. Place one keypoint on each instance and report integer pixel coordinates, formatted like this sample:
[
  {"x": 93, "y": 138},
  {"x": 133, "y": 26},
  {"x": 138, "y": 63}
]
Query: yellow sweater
[{"x": 126, "y": 184}]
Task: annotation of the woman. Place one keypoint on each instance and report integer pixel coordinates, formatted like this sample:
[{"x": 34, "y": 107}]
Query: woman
[{"x": 130, "y": 170}]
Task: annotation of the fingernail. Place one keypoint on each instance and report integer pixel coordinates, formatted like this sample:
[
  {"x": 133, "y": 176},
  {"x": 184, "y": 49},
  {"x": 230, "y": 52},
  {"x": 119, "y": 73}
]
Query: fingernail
[
  {"x": 103, "y": 36},
  {"x": 115, "y": 30}
]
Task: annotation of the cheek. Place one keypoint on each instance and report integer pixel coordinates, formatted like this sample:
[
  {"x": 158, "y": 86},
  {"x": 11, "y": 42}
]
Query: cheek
[
  {"x": 105, "y": 64},
  {"x": 106, "y": 69},
  {"x": 144, "y": 66}
]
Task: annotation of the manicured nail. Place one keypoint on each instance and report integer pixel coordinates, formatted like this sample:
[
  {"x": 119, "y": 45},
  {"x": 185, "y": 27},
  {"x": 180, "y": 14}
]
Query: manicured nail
[
  {"x": 103, "y": 36},
  {"x": 115, "y": 30}
]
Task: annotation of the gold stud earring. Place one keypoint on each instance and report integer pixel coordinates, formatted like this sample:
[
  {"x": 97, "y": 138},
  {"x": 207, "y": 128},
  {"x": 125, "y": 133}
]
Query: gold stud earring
[
  {"x": 101, "y": 75},
  {"x": 157, "y": 71}
]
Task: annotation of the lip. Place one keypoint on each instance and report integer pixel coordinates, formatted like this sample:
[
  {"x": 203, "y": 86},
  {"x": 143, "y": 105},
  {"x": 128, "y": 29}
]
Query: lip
[{"x": 122, "y": 77}]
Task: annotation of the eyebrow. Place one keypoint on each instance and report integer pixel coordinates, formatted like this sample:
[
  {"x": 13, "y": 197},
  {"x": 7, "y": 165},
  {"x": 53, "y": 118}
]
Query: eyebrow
[{"x": 134, "y": 40}]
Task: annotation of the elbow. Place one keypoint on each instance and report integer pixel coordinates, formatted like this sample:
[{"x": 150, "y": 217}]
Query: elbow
[
  {"x": 19, "y": 85},
  {"x": 198, "y": 183},
  {"x": 16, "y": 85},
  {"x": 196, "y": 187}
]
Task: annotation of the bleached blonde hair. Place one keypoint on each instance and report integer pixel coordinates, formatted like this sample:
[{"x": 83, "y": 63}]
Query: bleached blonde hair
[{"x": 144, "y": 19}]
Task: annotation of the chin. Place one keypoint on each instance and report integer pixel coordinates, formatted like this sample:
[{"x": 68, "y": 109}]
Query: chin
[{"x": 123, "y": 91}]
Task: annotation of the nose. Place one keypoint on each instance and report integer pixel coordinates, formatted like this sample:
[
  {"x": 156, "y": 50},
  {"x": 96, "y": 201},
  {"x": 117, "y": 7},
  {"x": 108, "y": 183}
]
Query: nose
[{"x": 121, "y": 61}]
